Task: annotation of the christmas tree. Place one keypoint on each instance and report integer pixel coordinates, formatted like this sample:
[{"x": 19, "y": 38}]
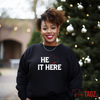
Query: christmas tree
[
  {"x": 81, "y": 32},
  {"x": 35, "y": 38}
]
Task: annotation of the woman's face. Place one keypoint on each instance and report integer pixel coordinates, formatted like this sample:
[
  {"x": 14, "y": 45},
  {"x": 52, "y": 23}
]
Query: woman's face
[{"x": 49, "y": 32}]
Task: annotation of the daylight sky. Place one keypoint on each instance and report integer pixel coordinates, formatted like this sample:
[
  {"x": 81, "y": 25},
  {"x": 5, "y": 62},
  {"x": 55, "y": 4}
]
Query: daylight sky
[{"x": 21, "y": 8}]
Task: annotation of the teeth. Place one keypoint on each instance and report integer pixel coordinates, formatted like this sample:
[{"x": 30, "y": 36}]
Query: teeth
[{"x": 49, "y": 36}]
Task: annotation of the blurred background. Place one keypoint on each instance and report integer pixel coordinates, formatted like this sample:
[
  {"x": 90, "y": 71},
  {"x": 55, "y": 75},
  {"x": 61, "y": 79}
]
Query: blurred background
[{"x": 80, "y": 31}]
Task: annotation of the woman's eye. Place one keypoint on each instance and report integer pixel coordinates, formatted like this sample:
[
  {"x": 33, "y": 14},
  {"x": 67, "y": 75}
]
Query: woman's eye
[
  {"x": 53, "y": 27},
  {"x": 44, "y": 28}
]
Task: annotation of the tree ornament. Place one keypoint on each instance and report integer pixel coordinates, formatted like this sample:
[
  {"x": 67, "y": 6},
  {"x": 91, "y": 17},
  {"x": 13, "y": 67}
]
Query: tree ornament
[
  {"x": 99, "y": 7},
  {"x": 80, "y": 63},
  {"x": 80, "y": 6},
  {"x": 60, "y": 8},
  {"x": 70, "y": 28},
  {"x": 63, "y": 0},
  {"x": 87, "y": 60},
  {"x": 98, "y": 25},
  {"x": 57, "y": 40},
  {"x": 83, "y": 30}
]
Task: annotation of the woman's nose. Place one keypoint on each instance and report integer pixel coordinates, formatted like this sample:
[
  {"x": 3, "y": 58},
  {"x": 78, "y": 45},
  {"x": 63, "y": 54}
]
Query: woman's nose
[{"x": 49, "y": 30}]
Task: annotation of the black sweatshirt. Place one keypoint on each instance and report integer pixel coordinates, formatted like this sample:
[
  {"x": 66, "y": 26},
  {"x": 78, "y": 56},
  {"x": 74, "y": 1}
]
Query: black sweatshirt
[{"x": 44, "y": 75}]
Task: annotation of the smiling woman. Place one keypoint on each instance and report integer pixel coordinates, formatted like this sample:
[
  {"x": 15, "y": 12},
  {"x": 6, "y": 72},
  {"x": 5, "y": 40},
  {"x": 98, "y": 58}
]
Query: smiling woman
[
  {"x": 49, "y": 70},
  {"x": 49, "y": 24}
]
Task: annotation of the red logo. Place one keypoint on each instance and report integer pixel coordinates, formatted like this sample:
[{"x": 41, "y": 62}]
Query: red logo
[
  {"x": 87, "y": 93},
  {"x": 53, "y": 59},
  {"x": 77, "y": 94}
]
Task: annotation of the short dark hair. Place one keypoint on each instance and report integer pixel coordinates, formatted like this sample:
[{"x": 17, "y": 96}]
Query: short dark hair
[{"x": 52, "y": 15}]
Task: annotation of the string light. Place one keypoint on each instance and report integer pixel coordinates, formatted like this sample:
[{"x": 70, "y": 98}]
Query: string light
[
  {"x": 71, "y": 5},
  {"x": 96, "y": 79},
  {"x": 68, "y": 16},
  {"x": 85, "y": 75},
  {"x": 95, "y": 27},
  {"x": 87, "y": 15},
  {"x": 66, "y": 33},
  {"x": 78, "y": 3},
  {"x": 28, "y": 30},
  {"x": 92, "y": 42},
  {"x": 0, "y": 25},
  {"x": 83, "y": 25},
  {"x": 88, "y": 38},
  {"x": 73, "y": 34},
  {"x": 59, "y": 39},
  {"x": 67, "y": 21},
  {"x": 75, "y": 46},
  {"x": 15, "y": 28},
  {"x": 83, "y": 58}
]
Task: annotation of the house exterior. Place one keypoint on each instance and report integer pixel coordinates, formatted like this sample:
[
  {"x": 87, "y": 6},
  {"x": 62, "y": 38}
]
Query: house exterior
[{"x": 15, "y": 34}]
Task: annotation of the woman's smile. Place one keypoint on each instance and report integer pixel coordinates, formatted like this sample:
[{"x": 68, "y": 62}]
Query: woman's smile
[{"x": 50, "y": 36}]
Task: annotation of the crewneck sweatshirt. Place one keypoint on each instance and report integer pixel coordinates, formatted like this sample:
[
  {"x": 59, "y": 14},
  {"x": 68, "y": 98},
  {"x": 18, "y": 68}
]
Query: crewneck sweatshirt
[{"x": 48, "y": 75}]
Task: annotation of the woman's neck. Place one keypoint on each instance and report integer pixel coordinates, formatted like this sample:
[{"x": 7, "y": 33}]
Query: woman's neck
[{"x": 51, "y": 44}]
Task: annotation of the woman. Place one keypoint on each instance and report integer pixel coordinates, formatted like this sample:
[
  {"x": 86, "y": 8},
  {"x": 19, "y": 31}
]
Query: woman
[{"x": 49, "y": 70}]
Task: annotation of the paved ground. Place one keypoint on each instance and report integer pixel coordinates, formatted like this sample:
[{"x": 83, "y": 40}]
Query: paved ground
[{"x": 7, "y": 84}]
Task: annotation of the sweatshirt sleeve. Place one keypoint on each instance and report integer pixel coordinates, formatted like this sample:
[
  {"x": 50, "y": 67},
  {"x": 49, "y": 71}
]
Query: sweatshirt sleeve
[
  {"x": 75, "y": 77},
  {"x": 21, "y": 78}
]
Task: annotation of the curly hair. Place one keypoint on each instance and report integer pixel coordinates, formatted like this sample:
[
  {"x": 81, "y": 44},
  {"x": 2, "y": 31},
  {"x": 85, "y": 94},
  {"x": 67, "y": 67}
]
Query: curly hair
[{"x": 52, "y": 15}]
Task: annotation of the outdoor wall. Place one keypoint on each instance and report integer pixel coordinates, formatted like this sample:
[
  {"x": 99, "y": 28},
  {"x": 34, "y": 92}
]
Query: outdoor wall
[{"x": 14, "y": 38}]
